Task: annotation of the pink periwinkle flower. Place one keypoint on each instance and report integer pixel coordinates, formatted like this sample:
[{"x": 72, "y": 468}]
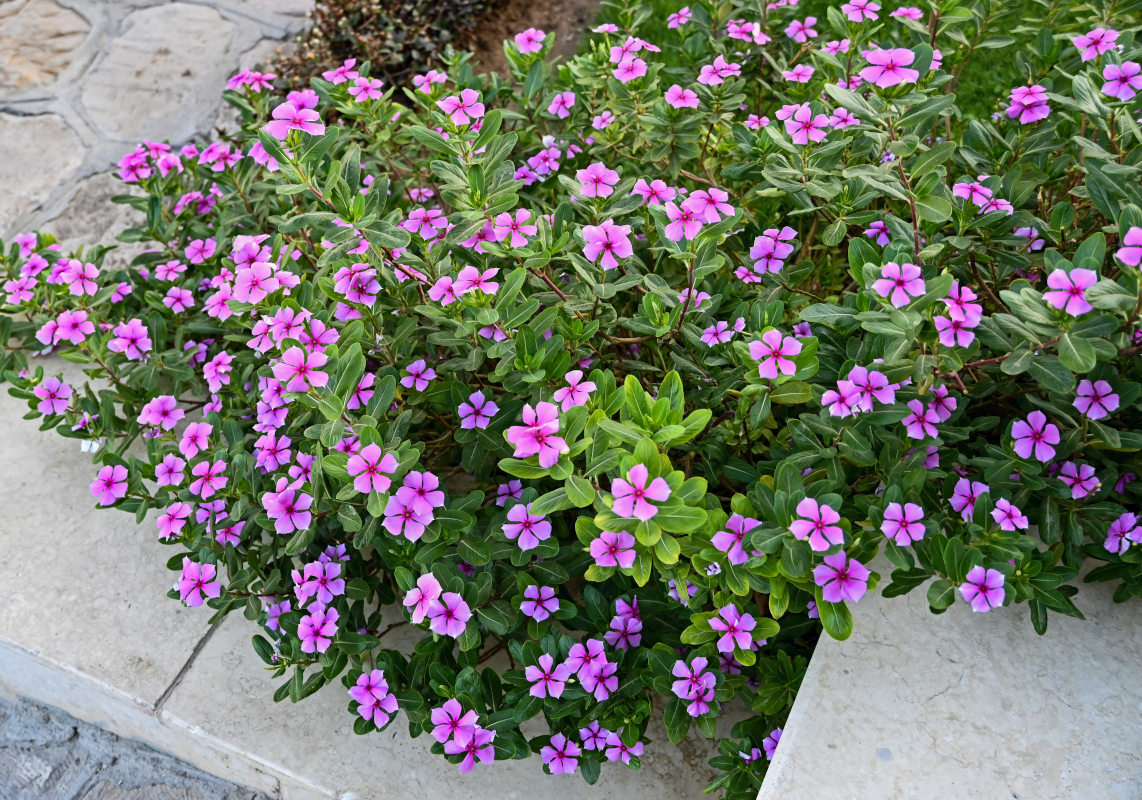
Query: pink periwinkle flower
[
  {"x": 983, "y": 588},
  {"x": 1035, "y": 437},
  {"x": 547, "y": 679},
  {"x": 1093, "y": 44},
  {"x": 365, "y": 89},
  {"x": 561, "y": 755},
  {"x": 370, "y": 469},
  {"x": 1028, "y": 104},
  {"x": 860, "y": 10},
  {"x": 1068, "y": 290},
  {"x": 888, "y": 67},
  {"x": 631, "y": 495},
  {"x": 921, "y": 421},
  {"x": 418, "y": 377},
  {"x": 317, "y": 629},
  {"x": 694, "y": 684},
  {"x": 903, "y": 523},
  {"x": 530, "y": 41},
  {"x": 537, "y": 436},
  {"x": 1123, "y": 81},
  {"x": 477, "y": 412},
  {"x": 576, "y": 393},
  {"x": 54, "y": 395},
  {"x": 817, "y": 524},
  {"x": 900, "y": 283},
  {"x": 596, "y": 180},
  {"x": 964, "y": 496},
  {"x": 677, "y": 97},
  {"x": 162, "y": 412},
  {"x": 287, "y": 117},
  {"x": 300, "y": 369},
  {"x": 770, "y": 742},
  {"x": 614, "y": 549},
  {"x": 774, "y": 353},
  {"x": 618, "y": 751},
  {"x": 478, "y": 747},
  {"x": 1008, "y": 517},
  {"x": 802, "y": 31},
  {"x": 197, "y": 582},
  {"x": 539, "y": 602},
  {"x": 1122, "y": 533},
  {"x": 450, "y": 615},
  {"x": 607, "y": 243},
  {"x": 462, "y": 109},
  {"x": 526, "y": 529},
  {"x": 561, "y": 104},
  {"x": 288, "y": 507},
  {"x": 805, "y": 126},
  {"x": 735, "y": 628},
  {"x": 1131, "y": 253},
  {"x": 730, "y": 541},
  {"x": 110, "y": 484},
  {"x": 679, "y": 17},
  {"x": 1081, "y": 479},
  {"x": 1096, "y": 399},
  {"x": 841, "y": 578},
  {"x": 423, "y": 597},
  {"x": 375, "y": 702}
]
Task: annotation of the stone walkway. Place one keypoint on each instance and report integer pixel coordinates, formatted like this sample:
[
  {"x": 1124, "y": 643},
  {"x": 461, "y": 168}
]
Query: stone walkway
[
  {"x": 47, "y": 755},
  {"x": 83, "y": 81}
]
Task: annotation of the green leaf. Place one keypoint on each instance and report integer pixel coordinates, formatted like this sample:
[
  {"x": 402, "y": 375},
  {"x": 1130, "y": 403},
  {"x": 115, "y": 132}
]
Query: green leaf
[
  {"x": 836, "y": 618},
  {"x": 941, "y": 594},
  {"x": 680, "y": 518},
  {"x": 551, "y": 502},
  {"x": 1076, "y": 354},
  {"x": 677, "y": 720},
  {"x": 579, "y": 491}
]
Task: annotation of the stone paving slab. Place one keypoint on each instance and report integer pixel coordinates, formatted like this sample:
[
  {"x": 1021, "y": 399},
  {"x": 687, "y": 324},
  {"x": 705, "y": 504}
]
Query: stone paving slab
[{"x": 966, "y": 705}]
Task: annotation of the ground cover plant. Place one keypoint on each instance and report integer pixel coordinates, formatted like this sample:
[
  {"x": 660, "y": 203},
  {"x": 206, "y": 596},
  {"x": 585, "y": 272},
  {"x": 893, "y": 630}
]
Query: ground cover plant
[{"x": 620, "y": 379}]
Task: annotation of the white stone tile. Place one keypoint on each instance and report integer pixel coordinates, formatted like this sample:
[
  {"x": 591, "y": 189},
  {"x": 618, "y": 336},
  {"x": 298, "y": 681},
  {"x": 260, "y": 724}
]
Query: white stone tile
[{"x": 967, "y": 705}]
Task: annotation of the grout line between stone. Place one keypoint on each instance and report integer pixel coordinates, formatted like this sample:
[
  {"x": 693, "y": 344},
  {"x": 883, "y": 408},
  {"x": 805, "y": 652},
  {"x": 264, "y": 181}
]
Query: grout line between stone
[{"x": 185, "y": 668}]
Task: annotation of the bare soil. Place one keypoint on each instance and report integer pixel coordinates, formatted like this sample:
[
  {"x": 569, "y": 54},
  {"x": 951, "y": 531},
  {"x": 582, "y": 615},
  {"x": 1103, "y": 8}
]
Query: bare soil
[{"x": 567, "y": 19}]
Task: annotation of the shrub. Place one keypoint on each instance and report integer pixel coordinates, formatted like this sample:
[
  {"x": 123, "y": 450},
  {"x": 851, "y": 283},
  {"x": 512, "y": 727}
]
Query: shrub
[{"x": 610, "y": 385}]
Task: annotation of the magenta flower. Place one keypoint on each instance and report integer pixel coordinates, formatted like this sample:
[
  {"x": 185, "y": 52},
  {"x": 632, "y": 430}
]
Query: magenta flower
[
  {"x": 170, "y": 471},
  {"x": 685, "y": 223},
  {"x": 197, "y": 582},
  {"x": 735, "y": 628},
  {"x": 319, "y": 579},
  {"x": 536, "y": 437},
  {"x": 171, "y": 522},
  {"x": 1094, "y": 44},
  {"x": 343, "y": 73},
  {"x": 477, "y": 412},
  {"x": 878, "y": 232},
  {"x": 953, "y": 332},
  {"x": 631, "y": 495},
  {"x": 525, "y": 529},
  {"x": 908, "y": 12},
  {"x": 1069, "y": 290},
  {"x": 1123, "y": 81},
  {"x": 802, "y": 73},
  {"x": 287, "y": 117},
  {"x": 816, "y": 524},
  {"x": 423, "y": 597},
  {"x": 418, "y": 377},
  {"x": 903, "y": 524},
  {"x": 710, "y": 204},
  {"x": 629, "y": 69},
  {"x": 618, "y": 751},
  {"x": 677, "y": 97},
  {"x": 516, "y": 227},
  {"x": 805, "y": 126},
  {"x": 288, "y": 507},
  {"x": 1028, "y": 104},
  {"x": 921, "y": 421},
  {"x": 983, "y": 588},
  {"x": 317, "y": 629},
  {"x": 1096, "y": 400},
  {"x": 478, "y": 747},
  {"x": 597, "y": 180},
  {"x": 841, "y": 578},
  {"x": 299, "y": 369},
  {"x": 730, "y": 541},
  {"x": 450, "y": 615},
  {"x": 1132, "y": 253},
  {"x": 364, "y": 89},
  {"x": 800, "y": 31},
  {"x": 1122, "y": 533},
  {"x": 656, "y": 192},
  {"x": 54, "y": 394},
  {"x": 547, "y": 680},
  {"x": 594, "y": 736},
  {"x": 403, "y": 519},
  {"x": 614, "y": 549},
  {"x": 110, "y": 484},
  {"x": 561, "y": 104},
  {"x": 721, "y": 332},
  {"x": 860, "y": 10},
  {"x": 530, "y": 41},
  {"x": 600, "y": 678},
  {"x": 608, "y": 240},
  {"x": 512, "y": 490},
  {"x": 584, "y": 657},
  {"x": 375, "y": 701},
  {"x": 888, "y": 67},
  {"x": 196, "y": 438},
  {"x": 694, "y": 684},
  {"x": 422, "y": 491},
  {"x": 1035, "y": 437},
  {"x": 452, "y": 722},
  {"x": 900, "y": 283},
  {"x": 369, "y": 466},
  {"x": 462, "y": 109},
  {"x": 131, "y": 339},
  {"x": 1008, "y": 517},
  {"x": 770, "y": 742},
  {"x": 576, "y": 392},
  {"x": 209, "y": 478},
  {"x": 774, "y": 354},
  {"x": 163, "y": 412},
  {"x": 561, "y": 756},
  {"x": 964, "y": 495},
  {"x": 539, "y": 602},
  {"x": 1081, "y": 479}
]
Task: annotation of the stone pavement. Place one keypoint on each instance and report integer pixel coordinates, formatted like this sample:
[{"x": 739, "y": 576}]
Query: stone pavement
[
  {"x": 47, "y": 755},
  {"x": 83, "y": 81}
]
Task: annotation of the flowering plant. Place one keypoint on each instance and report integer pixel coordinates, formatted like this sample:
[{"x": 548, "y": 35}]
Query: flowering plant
[{"x": 610, "y": 386}]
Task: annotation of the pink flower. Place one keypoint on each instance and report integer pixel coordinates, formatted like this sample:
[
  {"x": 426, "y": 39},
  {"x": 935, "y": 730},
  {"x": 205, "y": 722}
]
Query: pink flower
[
  {"x": 479, "y": 746},
  {"x": 131, "y": 339},
  {"x": 560, "y": 755},
  {"x": 163, "y": 412},
  {"x": 1008, "y": 517},
  {"x": 452, "y": 722},
  {"x": 1094, "y": 44},
  {"x": 375, "y": 701},
  {"x": 450, "y": 615},
  {"x": 366, "y": 89},
  {"x": 299, "y": 370},
  {"x": 418, "y": 377},
  {"x": 536, "y": 437},
  {"x": 54, "y": 396},
  {"x": 631, "y": 495},
  {"x": 841, "y": 578},
  {"x": 561, "y": 104},
  {"x": 369, "y": 468},
  {"x": 816, "y": 524},
  {"x": 710, "y": 204},
  {"x": 512, "y": 490},
  {"x": 1095, "y": 400},
  {"x": 679, "y": 17},
  {"x": 287, "y": 117},
  {"x": 576, "y": 392},
  {"x": 1069, "y": 290},
  {"x": 110, "y": 484},
  {"x": 597, "y": 180},
  {"x": 196, "y": 438},
  {"x": 735, "y": 628},
  {"x": 1035, "y": 437},
  {"x": 197, "y": 582},
  {"x": 530, "y": 41},
  {"x": 656, "y": 192},
  {"x": 477, "y": 412},
  {"x": 685, "y": 223},
  {"x": 805, "y": 126},
  {"x": 1123, "y": 81},
  {"x": 1132, "y": 253},
  {"x": 878, "y": 232},
  {"x": 800, "y": 31},
  {"x": 343, "y": 73},
  {"x": 860, "y": 10},
  {"x": 900, "y": 283},
  {"x": 983, "y": 588},
  {"x": 888, "y": 67},
  {"x": 775, "y": 353},
  {"x": 953, "y": 332},
  {"x": 464, "y": 108},
  {"x": 515, "y": 227},
  {"x": 209, "y": 478},
  {"x": 404, "y": 518},
  {"x": 1029, "y": 104},
  {"x": 539, "y": 602},
  {"x": 547, "y": 679},
  {"x": 802, "y": 73},
  {"x": 1122, "y": 533},
  {"x": 908, "y": 12},
  {"x": 903, "y": 524},
  {"x": 716, "y": 73},
  {"x": 600, "y": 679},
  {"x": 730, "y": 541},
  {"x": 677, "y": 97},
  {"x": 614, "y": 549},
  {"x": 526, "y": 529},
  {"x": 629, "y": 69},
  {"x": 1081, "y": 479},
  {"x": 770, "y": 742},
  {"x": 423, "y": 597},
  {"x": 964, "y": 495},
  {"x": 607, "y": 243},
  {"x": 317, "y": 629}
]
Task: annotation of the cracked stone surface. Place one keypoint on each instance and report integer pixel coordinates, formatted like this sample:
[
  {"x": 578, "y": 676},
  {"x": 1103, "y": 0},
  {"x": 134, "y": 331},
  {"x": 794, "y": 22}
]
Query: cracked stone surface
[
  {"x": 38, "y": 40},
  {"x": 40, "y": 153},
  {"x": 968, "y": 705},
  {"x": 45, "y": 754}
]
